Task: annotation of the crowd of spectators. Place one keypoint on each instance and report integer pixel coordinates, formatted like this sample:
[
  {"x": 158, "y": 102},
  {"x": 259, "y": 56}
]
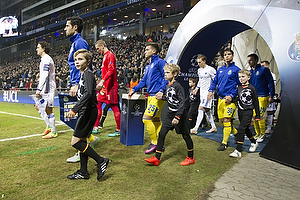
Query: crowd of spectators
[{"x": 23, "y": 72}]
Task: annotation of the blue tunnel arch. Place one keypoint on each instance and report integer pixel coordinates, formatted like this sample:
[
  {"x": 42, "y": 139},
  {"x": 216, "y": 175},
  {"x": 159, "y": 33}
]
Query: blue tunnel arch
[{"x": 211, "y": 23}]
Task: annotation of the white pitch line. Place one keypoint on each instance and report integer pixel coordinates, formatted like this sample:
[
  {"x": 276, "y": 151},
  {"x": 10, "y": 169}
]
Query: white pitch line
[
  {"x": 28, "y": 136},
  {"x": 56, "y": 122}
]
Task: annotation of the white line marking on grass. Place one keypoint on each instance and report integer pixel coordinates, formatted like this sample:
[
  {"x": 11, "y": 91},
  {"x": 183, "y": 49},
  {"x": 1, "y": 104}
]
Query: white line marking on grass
[
  {"x": 56, "y": 122},
  {"x": 28, "y": 136}
]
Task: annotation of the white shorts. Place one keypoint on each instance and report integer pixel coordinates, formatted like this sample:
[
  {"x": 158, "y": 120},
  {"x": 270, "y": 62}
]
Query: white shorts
[
  {"x": 49, "y": 98},
  {"x": 203, "y": 100}
]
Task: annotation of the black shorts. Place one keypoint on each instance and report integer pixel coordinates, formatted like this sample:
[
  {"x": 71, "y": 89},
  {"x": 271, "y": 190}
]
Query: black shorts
[
  {"x": 85, "y": 122},
  {"x": 182, "y": 127}
]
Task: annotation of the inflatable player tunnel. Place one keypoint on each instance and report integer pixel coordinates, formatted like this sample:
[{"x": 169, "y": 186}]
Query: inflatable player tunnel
[{"x": 211, "y": 23}]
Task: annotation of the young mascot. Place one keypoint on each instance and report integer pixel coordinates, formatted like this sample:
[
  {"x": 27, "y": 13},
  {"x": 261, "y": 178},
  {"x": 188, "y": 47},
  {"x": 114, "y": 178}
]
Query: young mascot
[
  {"x": 87, "y": 114},
  {"x": 194, "y": 101},
  {"x": 247, "y": 101},
  {"x": 176, "y": 117}
]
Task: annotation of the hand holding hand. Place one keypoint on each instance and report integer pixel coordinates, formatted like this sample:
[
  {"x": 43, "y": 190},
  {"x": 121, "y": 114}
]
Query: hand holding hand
[
  {"x": 175, "y": 121},
  {"x": 70, "y": 114},
  {"x": 159, "y": 95}
]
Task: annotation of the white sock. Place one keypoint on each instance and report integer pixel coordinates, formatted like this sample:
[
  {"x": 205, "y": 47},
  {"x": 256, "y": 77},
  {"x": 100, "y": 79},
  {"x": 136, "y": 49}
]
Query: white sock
[
  {"x": 269, "y": 121},
  {"x": 199, "y": 119},
  {"x": 52, "y": 122},
  {"x": 44, "y": 117},
  {"x": 210, "y": 119}
]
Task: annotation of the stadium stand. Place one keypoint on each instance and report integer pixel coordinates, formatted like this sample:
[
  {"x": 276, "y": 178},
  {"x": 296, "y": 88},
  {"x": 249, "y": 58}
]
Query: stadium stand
[{"x": 125, "y": 25}]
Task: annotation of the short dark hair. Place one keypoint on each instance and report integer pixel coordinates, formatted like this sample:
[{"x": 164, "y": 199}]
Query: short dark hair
[
  {"x": 45, "y": 46},
  {"x": 76, "y": 20},
  {"x": 227, "y": 49},
  {"x": 253, "y": 55},
  {"x": 193, "y": 79},
  {"x": 155, "y": 46}
]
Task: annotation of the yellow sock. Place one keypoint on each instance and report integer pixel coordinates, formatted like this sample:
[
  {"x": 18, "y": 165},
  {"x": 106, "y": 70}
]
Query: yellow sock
[
  {"x": 233, "y": 130},
  {"x": 226, "y": 132},
  {"x": 91, "y": 138},
  {"x": 257, "y": 128},
  {"x": 151, "y": 130},
  {"x": 262, "y": 126}
]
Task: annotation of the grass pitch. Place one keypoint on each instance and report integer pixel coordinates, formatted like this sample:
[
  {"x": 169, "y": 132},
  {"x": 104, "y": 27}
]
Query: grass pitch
[{"x": 36, "y": 168}]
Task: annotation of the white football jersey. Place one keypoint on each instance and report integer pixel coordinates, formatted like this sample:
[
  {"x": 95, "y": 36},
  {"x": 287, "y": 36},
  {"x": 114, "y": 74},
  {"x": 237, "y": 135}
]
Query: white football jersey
[
  {"x": 47, "y": 75},
  {"x": 206, "y": 75}
]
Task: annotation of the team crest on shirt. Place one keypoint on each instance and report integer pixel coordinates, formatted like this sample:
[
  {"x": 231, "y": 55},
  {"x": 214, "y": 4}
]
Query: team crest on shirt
[
  {"x": 229, "y": 72},
  {"x": 257, "y": 73}
]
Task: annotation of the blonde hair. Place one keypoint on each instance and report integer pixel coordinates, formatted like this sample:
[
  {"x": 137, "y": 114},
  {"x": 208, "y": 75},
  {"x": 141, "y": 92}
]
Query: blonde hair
[
  {"x": 86, "y": 54},
  {"x": 245, "y": 71},
  {"x": 173, "y": 67}
]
